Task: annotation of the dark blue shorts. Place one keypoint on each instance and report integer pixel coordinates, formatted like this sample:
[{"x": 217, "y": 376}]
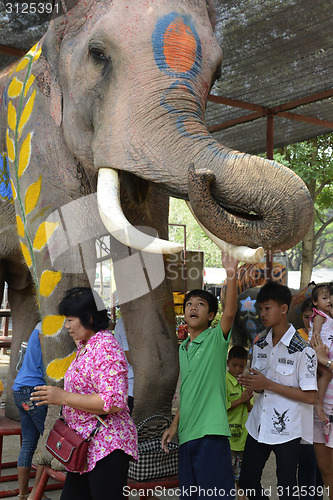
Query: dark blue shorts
[{"x": 205, "y": 468}]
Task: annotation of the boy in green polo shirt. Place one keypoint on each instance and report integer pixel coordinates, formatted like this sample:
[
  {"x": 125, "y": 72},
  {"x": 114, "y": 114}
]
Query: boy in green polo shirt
[
  {"x": 204, "y": 454},
  {"x": 239, "y": 404}
]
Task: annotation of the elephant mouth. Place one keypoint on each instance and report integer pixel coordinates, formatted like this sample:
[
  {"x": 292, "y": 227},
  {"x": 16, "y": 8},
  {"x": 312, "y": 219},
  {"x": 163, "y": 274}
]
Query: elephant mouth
[{"x": 108, "y": 198}]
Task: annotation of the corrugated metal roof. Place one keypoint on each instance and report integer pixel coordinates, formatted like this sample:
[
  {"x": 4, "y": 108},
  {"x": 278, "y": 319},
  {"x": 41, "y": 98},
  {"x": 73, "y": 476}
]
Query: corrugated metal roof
[{"x": 275, "y": 51}]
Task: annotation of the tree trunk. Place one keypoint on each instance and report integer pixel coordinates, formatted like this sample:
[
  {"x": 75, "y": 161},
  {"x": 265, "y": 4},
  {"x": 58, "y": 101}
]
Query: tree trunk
[{"x": 308, "y": 245}]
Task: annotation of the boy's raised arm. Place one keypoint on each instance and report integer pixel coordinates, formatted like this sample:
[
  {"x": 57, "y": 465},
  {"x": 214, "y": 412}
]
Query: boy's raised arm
[{"x": 230, "y": 265}]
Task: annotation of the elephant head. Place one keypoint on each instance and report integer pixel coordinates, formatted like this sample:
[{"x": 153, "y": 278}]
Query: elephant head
[{"x": 129, "y": 83}]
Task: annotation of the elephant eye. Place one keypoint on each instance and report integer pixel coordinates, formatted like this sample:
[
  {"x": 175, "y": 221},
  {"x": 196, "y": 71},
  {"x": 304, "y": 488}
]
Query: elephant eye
[{"x": 97, "y": 54}]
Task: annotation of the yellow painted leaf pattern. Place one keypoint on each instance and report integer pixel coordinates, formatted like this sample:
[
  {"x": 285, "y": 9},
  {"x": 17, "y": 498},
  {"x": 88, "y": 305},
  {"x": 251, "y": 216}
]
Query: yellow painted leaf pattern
[
  {"x": 32, "y": 196},
  {"x": 13, "y": 189},
  {"x": 48, "y": 282},
  {"x": 22, "y": 64},
  {"x": 26, "y": 254},
  {"x": 10, "y": 147},
  {"x": 15, "y": 88},
  {"x": 20, "y": 226},
  {"x": 26, "y": 112},
  {"x": 38, "y": 53},
  {"x": 24, "y": 155},
  {"x": 33, "y": 49},
  {"x": 52, "y": 324},
  {"x": 58, "y": 367},
  {"x": 43, "y": 234},
  {"x": 11, "y": 116},
  {"x": 28, "y": 84}
]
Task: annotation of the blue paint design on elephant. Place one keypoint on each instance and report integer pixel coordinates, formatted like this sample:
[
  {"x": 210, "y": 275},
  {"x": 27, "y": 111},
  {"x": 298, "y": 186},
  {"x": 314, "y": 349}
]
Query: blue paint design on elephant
[
  {"x": 159, "y": 37},
  {"x": 6, "y": 192},
  {"x": 248, "y": 305},
  {"x": 251, "y": 326},
  {"x": 180, "y": 116}
]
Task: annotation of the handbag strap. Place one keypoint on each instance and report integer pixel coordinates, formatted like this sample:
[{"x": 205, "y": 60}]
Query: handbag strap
[{"x": 99, "y": 423}]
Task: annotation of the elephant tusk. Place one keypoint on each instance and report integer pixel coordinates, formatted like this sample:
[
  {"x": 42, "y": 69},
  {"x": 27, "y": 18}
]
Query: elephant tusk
[
  {"x": 108, "y": 199},
  {"x": 241, "y": 253}
]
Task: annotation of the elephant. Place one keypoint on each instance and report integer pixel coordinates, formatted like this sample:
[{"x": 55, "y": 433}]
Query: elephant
[
  {"x": 101, "y": 122},
  {"x": 247, "y": 324},
  {"x": 254, "y": 275}
]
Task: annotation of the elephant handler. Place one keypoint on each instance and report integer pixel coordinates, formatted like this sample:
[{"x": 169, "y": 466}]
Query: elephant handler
[
  {"x": 205, "y": 468},
  {"x": 95, "y": 384}
]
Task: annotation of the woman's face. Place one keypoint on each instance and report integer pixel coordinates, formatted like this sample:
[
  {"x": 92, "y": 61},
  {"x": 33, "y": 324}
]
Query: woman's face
[{"x": 76, "y": 330}]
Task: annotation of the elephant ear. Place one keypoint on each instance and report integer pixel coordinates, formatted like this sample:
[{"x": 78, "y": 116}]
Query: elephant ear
[{"x": 46, "y": 73}]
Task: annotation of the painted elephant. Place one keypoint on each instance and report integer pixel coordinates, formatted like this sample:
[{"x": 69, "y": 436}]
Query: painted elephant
[
  {"x": 112, "y": 101},
  {"x": 254, "y": 275},
  {"x": 247, "y": 324}
]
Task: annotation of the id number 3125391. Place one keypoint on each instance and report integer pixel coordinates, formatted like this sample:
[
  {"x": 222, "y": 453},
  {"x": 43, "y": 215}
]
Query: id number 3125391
[{"x": 32, "y": 8}]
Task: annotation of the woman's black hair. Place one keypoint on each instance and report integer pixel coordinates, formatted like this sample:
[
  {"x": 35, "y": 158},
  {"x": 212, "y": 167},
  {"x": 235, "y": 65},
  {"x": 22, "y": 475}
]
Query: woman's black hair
[
  {"x": 86, "y": 304},
  {"x": 307, "y": 305}
]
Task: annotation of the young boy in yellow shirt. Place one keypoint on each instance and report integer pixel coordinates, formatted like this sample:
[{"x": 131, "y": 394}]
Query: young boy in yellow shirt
[{"x": 239, "y": 404}]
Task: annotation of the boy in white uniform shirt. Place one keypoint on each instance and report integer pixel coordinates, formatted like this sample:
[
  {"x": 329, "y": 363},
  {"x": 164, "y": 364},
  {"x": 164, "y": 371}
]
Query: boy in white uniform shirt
[{"x": 284, "y": 372}]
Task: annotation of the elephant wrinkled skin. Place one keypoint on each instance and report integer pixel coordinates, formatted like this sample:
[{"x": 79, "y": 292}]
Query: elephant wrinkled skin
[{"x": 121, "y": 86}]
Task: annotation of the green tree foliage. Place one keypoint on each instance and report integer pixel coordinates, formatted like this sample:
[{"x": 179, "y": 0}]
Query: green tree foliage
[
  {"x": 196, "y": 239},
  {"x": 313, "y": 161}
]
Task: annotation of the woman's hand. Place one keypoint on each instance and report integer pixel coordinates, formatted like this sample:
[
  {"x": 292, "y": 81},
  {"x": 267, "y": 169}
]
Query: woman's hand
[{"x": 48, "y": 395}]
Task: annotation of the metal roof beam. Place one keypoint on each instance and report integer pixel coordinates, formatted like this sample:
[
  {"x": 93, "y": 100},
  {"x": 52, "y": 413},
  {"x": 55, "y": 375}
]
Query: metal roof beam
[
  {"x": 235, "y": 121},
  {"x": 280, "y": 110},
  {"x": 237, "y": 103},
  {"x": 306, "y": 119},
  {"x": 318, "y": 96}
]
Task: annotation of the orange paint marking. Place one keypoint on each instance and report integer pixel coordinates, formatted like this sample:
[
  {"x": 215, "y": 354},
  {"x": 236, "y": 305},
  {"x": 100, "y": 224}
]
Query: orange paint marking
[{"x": 179, "y": 46}]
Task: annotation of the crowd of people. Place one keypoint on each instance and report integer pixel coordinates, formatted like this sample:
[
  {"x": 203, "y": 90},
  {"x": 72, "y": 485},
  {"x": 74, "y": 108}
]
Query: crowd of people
[
  {"x": 230, "y": 416},
  {"x": 282, "y": 420}
]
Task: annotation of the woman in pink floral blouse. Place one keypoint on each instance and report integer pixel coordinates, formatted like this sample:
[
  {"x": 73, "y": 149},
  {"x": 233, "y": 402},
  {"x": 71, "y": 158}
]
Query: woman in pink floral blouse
[{"x": 95, "y": 384}]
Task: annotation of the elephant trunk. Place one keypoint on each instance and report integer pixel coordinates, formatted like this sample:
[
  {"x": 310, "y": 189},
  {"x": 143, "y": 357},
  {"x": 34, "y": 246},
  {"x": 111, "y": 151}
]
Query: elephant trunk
[{"x": 247, "y": 200}]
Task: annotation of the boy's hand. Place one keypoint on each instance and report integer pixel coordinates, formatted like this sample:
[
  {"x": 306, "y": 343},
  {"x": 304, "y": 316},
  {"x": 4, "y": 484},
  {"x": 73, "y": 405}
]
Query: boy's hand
[
  {"x": 255, "y": 382},
  {"x": 166, "y": 438},
  {"x": 246, "y": 396},
  {"x": 229, "y": 263}
]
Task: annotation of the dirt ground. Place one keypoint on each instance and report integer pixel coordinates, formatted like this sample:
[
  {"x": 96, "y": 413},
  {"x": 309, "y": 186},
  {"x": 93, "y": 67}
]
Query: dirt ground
[{"x": 11, "y": 447}]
